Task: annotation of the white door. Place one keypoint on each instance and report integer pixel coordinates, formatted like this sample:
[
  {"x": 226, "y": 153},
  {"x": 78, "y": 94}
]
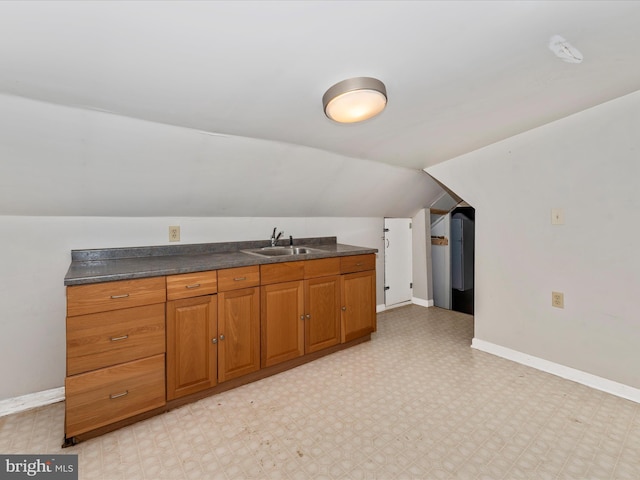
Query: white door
[{"x": 397, "y": 260}]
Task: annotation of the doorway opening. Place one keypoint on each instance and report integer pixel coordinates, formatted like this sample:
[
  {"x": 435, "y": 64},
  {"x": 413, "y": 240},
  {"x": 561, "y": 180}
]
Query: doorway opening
[{"x": 452, "y": 255}]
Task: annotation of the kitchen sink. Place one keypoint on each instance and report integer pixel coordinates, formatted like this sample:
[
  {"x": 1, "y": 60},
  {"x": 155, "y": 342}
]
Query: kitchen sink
[{"x": 281, "y": 251}]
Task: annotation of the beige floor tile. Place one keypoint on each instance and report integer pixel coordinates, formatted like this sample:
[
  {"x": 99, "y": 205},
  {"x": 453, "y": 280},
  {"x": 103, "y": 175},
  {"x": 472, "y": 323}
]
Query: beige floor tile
[{"x": 414, "y": 403}]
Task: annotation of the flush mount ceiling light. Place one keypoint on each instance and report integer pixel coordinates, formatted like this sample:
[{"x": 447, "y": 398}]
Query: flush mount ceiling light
[
  {"x": 564, "y": 50},
  {"x": 355, "y": 99}
]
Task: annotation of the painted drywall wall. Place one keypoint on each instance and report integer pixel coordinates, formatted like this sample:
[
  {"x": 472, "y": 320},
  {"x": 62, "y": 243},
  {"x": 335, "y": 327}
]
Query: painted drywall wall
[
  {"x": 587, "y": 164},
  {"x": 441, "y": 263},
  {"x": 64, "y": 161},
  {"x": 421, "y": 256},
  {"x": 35, "y": 255}
]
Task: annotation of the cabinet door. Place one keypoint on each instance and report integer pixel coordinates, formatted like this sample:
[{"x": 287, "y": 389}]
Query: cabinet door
[
  {"x": 322, "y": 313},
  {"x": 191, "y": 345},
  {"x": 238, "y": 333},
  {"x": 282, "y": 306},
  {"x": 358, "y": 304}
]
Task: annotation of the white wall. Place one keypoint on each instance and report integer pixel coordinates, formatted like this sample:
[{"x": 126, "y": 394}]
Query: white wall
[
  {"x": 589, "y": 165},
  {"x": 35, "y": 255},
  {"x": 421, "y": 257},
  {"x": 65, "y": 161}
]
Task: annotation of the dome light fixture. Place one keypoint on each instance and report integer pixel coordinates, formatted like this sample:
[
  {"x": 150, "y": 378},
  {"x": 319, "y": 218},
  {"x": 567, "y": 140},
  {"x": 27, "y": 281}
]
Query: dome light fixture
[{"x": 355, "y": 100}]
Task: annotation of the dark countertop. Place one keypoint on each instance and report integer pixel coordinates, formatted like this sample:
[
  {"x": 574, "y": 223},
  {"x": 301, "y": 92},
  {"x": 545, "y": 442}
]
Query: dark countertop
[{"x": 108, "y": 265}]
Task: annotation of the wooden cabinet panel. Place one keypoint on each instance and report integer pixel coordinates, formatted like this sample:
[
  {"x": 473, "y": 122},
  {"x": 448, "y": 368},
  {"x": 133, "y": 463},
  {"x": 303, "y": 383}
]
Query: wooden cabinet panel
[
  {"x": 281, "y": 272},
  {"x": 104, "y": 396},
  {"x": 358, "y": 304},
  {"x": 191, "y": 345},
  {"x": 238, "y": 333},
  {"x": 104, "y": 297},
  {"x": 322, "y": 313},
  {"x": 189, "y": 285},
  {"x": 102, "y": 339},
  {"x": 237, "y": 278},
  {"x": 322, "y": 267},
  {"x": 357, "y": 263},
  {"x": 282, "y": 316}
]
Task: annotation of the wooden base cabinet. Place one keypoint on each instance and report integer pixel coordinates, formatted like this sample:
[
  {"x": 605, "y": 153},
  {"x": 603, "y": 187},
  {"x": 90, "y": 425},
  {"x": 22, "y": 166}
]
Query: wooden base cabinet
[
  {"x": 105, "y": 396},
  {"x": 139, "y": 347},
  {"x": 238, "y": 333},
  {"x": 358, "y": 302},
  {"x": 300, "y": 305},
  {"x": 282, "y": 317},
  {"x": 192, "y": 350},
  {"x": 115, "y": 352},
  {"x": 322, "y": 317}
]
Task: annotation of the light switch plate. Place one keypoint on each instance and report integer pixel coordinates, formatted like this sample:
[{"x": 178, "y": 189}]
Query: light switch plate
[{"x": 557, "y": 216}]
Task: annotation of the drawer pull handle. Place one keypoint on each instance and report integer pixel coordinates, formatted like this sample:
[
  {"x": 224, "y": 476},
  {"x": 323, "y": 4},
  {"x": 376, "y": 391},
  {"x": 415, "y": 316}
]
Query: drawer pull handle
[
  {"x": 115, "y": 339},
  {"x": 120, "y": 296},
  {"x": 113, "y": 396},
  {"x": 359, "y": 264},
  {"x": 195, "y": 285},
  {"x": 239, "y": 279}
]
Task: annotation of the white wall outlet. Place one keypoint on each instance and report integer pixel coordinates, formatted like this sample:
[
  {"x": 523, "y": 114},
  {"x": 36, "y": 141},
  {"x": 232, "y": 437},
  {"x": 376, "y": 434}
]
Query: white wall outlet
[
  {"x": 557, "y": 299},
  {"x": 557, "y": 216},
  {"x": 174, "y": 233}
]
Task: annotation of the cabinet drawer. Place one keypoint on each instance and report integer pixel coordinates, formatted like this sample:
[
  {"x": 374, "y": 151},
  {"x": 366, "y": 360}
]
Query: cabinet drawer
[
  {"x": 191, "y": 285},
  {"x": 104, "y": 396},
  {"x": 357, "y": 263},
  {"x": 322, "y": 267},
  {"x": 107, "y": 338},
  {"x": 236, "y": 278},
  {"x": 104, "y": 297},
  {"x": 281, "y": 272}
]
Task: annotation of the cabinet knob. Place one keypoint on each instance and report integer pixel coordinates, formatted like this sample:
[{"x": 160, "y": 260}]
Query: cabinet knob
[
  {"x": 344, "y": 309},
  {"x": 214, "y": 340},
  {"x": 301, "y": 317},
  {"x": 308, "y": 316},
  {"x": 221, "y": 337}
]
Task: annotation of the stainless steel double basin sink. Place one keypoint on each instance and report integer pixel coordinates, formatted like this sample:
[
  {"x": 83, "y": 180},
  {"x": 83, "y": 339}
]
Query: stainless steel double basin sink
[{"x": 282, "y": 251}]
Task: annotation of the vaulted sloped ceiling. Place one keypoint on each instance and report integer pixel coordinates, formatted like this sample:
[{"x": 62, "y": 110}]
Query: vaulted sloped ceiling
[{"x": 226, "y": 98}]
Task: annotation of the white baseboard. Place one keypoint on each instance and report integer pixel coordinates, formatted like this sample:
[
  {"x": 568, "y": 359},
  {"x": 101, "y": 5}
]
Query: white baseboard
[
  {"x": 413, "y": 301},
  {"x": 32, "y": 400},
  {"x": 422, "y": 302},
  {"x": 578, "y": 376}
]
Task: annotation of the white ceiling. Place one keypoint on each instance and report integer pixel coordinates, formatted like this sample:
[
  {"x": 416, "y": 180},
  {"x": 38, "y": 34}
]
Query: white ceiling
[{"x": 459, "y": 75}]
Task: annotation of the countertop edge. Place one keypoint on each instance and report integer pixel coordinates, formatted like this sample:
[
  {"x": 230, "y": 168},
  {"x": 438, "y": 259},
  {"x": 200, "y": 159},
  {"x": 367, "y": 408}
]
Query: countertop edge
[{"x": 109, "y": 270}]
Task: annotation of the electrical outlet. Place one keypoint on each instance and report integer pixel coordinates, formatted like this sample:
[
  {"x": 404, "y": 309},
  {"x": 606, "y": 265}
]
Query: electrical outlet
[
  {"x": 557, "y": 216},
  {"x": 557, "y": 299},
  {"x": 174, "y": 233}
]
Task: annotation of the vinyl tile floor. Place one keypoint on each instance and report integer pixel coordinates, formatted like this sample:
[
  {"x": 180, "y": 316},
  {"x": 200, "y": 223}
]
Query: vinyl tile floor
[{"x": 416, "y": 402}]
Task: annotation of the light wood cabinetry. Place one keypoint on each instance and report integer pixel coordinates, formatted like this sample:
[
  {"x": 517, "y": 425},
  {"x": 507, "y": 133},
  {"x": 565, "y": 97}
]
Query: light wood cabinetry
[
  {"x": 192, "y": 353},
  {"x": 189, "y": 285},
  {"x": 107, "y": 395},
  {"x": 300, "y": 305},
  {"x": 115, "y": 352},
  {"x": 238, "y": 322},
  {"x": 358, "y": 296},
  {"x": 139, "y": 347},
  {"x": 282, "y": 314},
  {"x": 322, "y": 317}
]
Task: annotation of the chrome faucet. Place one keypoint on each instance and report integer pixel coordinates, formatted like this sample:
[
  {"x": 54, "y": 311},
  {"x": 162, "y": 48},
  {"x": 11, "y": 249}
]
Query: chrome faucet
[{"x": 274, "y": 238}]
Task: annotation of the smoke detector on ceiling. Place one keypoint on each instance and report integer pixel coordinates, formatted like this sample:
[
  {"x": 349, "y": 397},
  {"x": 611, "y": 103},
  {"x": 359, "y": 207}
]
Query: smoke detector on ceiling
[{"x": 564, "y": 50}]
